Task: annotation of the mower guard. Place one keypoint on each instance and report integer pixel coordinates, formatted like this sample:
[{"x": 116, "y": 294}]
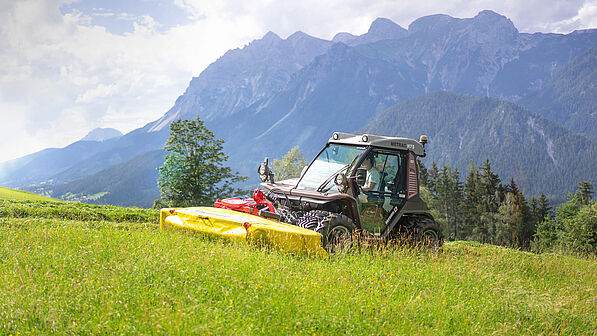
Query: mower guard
[{"x": 243, "y": 227}]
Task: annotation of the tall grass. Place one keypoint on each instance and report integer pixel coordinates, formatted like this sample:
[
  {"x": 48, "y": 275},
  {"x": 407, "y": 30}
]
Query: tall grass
[
  {"x": 104, "y": 277},
  {"x": 75, "y": 211}
]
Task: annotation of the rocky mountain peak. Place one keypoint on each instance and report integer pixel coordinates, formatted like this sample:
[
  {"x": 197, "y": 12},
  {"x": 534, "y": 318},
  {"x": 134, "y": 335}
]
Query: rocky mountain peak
[
  {"x": 380, "y": 29},
  {"x": 430, "y": 23},
  {"x": 101, "y": 134},
  {"x": 269, "y": 37},
  {"x": 383, "y": 28},
  {"x": 343, "y": 37},
  {"x": 298, "y": 35},
  {"x": 268, "y": 40},
  {"x": 496, "y": 21},
  {"x": 486, "y": 27},
  {"x": 303, "y": 40}
]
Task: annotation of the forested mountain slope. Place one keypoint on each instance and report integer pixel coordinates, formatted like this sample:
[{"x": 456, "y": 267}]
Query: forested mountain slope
[
  {"x": 571, "y": 97},
  {"x": 541, "y": 155}
]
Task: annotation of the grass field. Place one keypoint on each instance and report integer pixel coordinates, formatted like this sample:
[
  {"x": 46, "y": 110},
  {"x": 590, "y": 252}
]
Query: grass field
[
  {"x": 79, "y": 269},
  {"x": 18, "y": 195}
]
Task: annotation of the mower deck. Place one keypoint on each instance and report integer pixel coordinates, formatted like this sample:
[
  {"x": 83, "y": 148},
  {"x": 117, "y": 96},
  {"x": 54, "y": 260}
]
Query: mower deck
[{"x": 243, "y": 227}]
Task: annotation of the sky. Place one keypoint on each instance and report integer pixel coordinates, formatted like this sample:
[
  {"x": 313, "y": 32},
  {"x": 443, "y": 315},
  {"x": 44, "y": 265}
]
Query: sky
[{"x": 71, "y": 66}]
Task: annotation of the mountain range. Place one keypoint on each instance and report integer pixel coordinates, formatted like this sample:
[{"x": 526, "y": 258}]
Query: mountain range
[{"x": 501, "y": 94}]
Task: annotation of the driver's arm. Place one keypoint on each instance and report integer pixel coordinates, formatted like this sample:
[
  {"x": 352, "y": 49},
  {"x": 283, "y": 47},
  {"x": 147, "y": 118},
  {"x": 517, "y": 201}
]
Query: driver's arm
[
  {"x": 369, "y": 186},
  {"x": 372, "y": 178}
]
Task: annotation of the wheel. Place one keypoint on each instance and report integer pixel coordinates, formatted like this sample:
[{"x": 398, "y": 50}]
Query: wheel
[
  {"x": 336, "y": 232},
  {"x": 420, "y": 230},
  {"x": 336, "y": 229},
  {"x": 428, "y": 233}
]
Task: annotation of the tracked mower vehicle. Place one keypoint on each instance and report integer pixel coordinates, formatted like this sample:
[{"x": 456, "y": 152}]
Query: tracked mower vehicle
[
  {"x": 357, "y": 184},
  {"x": 366, "y": 185}
]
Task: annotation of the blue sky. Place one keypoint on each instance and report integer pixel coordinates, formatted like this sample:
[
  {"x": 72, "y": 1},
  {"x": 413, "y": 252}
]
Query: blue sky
[
  {"x": 71, "y": 66},
  {"x": 118, "y": 17}
]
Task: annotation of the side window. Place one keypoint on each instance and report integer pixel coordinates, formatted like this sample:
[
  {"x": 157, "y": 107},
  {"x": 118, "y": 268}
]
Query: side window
[{"x": 387, "y": 166}]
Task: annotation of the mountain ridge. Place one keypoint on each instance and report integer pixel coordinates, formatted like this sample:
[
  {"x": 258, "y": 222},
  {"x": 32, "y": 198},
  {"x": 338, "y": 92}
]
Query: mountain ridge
[{"x": 275, "y": 93}]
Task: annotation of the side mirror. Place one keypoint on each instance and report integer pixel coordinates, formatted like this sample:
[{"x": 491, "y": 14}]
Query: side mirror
[
  {"x": 265, "y": 173},
  {"x": 361, "y": 176}
]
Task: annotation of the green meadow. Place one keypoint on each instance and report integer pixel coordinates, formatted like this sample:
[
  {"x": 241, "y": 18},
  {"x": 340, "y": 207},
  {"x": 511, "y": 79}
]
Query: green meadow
[
  {"x": 70, "y": 268},
  {"x": 18, "y": 195}
]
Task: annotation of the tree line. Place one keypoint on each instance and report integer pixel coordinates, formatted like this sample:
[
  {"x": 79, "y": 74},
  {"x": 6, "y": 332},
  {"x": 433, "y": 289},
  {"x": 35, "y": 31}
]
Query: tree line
[{"x": 482, "y": 208}]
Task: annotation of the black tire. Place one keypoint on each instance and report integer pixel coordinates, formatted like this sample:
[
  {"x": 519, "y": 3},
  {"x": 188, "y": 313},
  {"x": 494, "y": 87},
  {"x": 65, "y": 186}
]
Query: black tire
[
  {"x": 336, "y": 232},
  {"x": 428, "y": 233},
  {"x": 336, "y": 229}
]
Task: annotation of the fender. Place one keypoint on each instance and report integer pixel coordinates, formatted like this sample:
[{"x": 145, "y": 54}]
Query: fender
[{"x": 414, "y": 206}]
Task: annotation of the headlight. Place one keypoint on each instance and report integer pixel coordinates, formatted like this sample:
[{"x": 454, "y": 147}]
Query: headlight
[
  {"x": 340, "y": 179},
  {"x": 261, "y": 170}
]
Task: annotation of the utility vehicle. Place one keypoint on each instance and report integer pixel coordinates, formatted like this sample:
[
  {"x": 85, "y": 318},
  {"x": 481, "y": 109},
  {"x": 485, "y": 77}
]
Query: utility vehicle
[{"x": 366, "y": 184}]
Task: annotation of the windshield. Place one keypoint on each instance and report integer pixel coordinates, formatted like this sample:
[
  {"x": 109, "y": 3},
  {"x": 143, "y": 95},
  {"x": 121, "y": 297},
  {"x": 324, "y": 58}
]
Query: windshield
[{"x": 334, "y": 159}]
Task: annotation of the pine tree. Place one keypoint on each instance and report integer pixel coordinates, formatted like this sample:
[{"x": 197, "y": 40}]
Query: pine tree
[
  {"x": 543, "y": 208},
  {"x": 488, "y": 188},
  {"x": 510, "y": 218},
  {"x": 432, "y": 176},
  {"x": 490, "y": 183},
  {"x": 526, "y": 230},
  {"x": 472, "y": 203},
  {"x": 446, "y": 197},
  {"x": 585, "y": 192}
]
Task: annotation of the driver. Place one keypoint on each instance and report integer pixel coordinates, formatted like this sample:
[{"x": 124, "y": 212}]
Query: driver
[{"x": 373, "y": 176}]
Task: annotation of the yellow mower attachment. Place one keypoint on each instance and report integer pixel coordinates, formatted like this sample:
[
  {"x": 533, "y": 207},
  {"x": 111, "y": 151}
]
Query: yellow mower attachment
[{"x": 239, "y": 226}]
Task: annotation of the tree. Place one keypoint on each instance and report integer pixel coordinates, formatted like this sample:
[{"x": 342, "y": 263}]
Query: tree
[
  {"x": 472, "y": 202},
  {"x": 552, "y": 232},
  {"x": 543, "y": 207},
  {"x": 538, "y": 210},
  {"x": 431, "y": 176},
  {"x": 290, "y": 166},
  {"x": 511, "y": 219},
  {"x": 193, "y": 173},
  {"x": 447, "y": 198},
  {"x": 490, "y": 185},
  {"x": 581, "y": 230},
  {"x": 585, "y": 192}
]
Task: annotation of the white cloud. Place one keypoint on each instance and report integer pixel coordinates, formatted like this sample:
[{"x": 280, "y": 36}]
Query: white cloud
[
  {"x": 61, "y": 76},
  {"x": 66, "y": 77}
]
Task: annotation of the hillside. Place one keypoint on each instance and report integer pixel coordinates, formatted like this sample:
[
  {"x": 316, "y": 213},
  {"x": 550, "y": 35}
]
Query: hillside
[
  {"x": 122, "y": 275},
  {"x": 81, "y": 159},
  {"x": 19, "y": 195},
  {"x": 541, "y": 155},
  {"x": 131, "y": 183},
  {"x": 570, "y": 97}
]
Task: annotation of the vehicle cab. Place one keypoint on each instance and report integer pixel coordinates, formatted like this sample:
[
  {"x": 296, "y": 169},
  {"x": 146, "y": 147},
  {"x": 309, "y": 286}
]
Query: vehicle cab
[{"x": 371, "y": 179}]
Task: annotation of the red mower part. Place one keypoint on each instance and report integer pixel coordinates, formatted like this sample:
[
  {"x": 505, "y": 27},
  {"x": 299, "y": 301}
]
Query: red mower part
[
  {"x": 237, "y": 204},
  {"x": 259, "y": 198},
  {"x": 249, "y": 205}
]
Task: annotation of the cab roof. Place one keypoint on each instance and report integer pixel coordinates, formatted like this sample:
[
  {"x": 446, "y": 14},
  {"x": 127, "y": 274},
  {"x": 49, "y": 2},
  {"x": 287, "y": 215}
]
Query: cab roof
[{"x": 387, "y": 142}]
